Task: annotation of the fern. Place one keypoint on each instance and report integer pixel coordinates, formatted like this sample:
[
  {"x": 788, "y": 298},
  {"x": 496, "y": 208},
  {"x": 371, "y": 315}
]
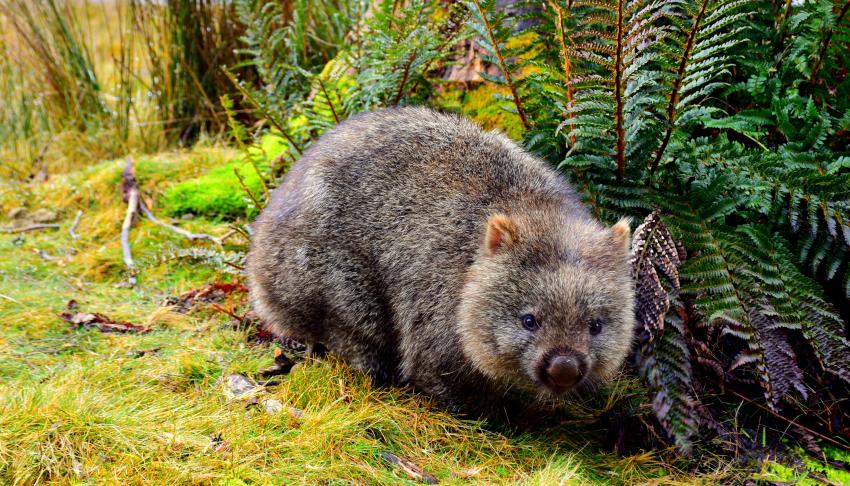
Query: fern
[
  {"x": 400, "y": 44},
  {"x": 289, "y": 44},
  {"x": 705, "y": 115},
  {"x": 493, "y": 35},
  {"x": 702, "y": 43},
  {"x": 663, "y": 357}
]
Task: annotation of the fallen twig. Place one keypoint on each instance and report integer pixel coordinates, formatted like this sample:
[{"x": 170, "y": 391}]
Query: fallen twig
[
  {"x": 130, "y": 191},
  {"x": 72, "y": 229},
  {"x": 102, "y": 323},
  {"x": 229, "y": 312},
  {"x": 187, "y": 234},
  {"x": 409, "y": 468},
  {"x": 32, "y": 227}
]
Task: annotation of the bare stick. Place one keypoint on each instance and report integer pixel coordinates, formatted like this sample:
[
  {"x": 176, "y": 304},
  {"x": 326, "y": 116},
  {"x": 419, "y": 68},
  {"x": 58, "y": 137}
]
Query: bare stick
[
  {"x": 130, "y": 191},
  {"x": 180, "y": 231},
  {"x": 71, "y": 230},
  {"x": 32, "y": 227}
]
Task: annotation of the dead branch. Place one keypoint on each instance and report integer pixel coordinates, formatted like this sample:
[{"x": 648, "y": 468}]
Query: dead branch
[
  {"x": 71, "y": 230},
  {"x": 180, "y": 231},
  {"x": 130, "y": 191},
  {"x": 32, "y": 227}
]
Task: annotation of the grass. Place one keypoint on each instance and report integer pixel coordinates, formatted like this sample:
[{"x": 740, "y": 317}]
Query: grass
[{"x": 79, "y": 406}]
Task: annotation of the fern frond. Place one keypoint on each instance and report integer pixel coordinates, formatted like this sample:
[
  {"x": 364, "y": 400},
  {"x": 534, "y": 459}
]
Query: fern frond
[
  {"x": 664, "y": 357},
  {"x": 703, "y": 58},
  {"x": 491, "y": 28}
]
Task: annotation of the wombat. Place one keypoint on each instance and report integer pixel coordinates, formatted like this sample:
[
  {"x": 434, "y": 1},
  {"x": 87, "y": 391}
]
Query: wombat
[{"x": 427, "y": 252}]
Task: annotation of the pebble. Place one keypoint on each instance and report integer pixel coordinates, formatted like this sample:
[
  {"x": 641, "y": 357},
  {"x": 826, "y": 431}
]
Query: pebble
[
  {"x": 44, "y": 215},
  {"x": 16, "y": 213},
  {"x": 238, "y": 385},
  {"x": 272, "y": 406}
]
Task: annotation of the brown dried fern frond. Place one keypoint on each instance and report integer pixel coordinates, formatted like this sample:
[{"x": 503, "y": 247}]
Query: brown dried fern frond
[{"x": 654, "y": 254}]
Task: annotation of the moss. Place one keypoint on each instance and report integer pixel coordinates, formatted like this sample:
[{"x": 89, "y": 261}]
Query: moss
[
  {"x": 834, "y": 475},
  {"x": 218, "y": 193}
]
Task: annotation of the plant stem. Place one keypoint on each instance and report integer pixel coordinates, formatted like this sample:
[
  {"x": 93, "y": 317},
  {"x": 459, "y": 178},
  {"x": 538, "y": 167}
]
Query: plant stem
[
  {"x": 508, "y": 80},
  {"x": 567, "y": 65},
  {"x": 328, "y": 98},
  {"x": 618, "y": 94},
  {"x": 677, "y": 85},
  {"x": 826, "y": 40}
]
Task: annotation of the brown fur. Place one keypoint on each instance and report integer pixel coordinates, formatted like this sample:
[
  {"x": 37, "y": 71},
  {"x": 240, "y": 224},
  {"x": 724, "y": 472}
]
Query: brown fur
[{"x": 410, "y": 243}]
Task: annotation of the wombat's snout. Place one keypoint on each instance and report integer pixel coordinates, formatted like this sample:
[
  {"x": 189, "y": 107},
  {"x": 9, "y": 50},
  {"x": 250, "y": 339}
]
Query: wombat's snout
[{"x": 562, "y": 371}]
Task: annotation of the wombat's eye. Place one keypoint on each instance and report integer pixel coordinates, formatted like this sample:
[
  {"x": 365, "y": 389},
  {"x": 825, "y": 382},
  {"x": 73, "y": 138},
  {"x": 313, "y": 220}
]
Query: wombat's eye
[
  {"x": 596, "y": 326},
  {"x": 529, "y": 322}
]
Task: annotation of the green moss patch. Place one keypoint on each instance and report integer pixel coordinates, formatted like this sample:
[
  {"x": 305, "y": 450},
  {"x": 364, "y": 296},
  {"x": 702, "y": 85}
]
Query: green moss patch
[{"x": 218, "y": 193}]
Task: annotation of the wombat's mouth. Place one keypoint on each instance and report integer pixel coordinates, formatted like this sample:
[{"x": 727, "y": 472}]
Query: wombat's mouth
[{"x": 556, "y": 389}]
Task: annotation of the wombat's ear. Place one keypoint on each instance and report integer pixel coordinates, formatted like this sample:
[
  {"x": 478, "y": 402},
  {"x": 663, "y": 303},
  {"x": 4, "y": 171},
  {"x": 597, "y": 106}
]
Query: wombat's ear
[
  {"x": 622, "y": 233},
  {"x": 501, "y": 233}
]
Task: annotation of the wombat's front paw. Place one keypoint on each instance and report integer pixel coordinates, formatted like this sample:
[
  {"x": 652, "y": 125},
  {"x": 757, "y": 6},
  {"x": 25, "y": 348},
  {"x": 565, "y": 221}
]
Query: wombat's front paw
[{"x": 316, "y": 350}]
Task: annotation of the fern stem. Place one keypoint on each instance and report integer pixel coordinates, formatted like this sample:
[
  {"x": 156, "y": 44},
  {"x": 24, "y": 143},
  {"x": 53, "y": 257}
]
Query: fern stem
[
  {"x": 405, "y": 75},
  {"x": 677, "y": 85},
  {"x": 783, "y": 34},
  {"x": 260, "y": 175},
  {"x": 502, "y": 65},
  {"x": 328, "y": 98},
  {"x": 826, "y": 40},
  {"x": 618, "y": 94},
  {"x": 567, "y": 65},
  {"x": 259, "y": 106},
  {"x": 247, "y": 191}
]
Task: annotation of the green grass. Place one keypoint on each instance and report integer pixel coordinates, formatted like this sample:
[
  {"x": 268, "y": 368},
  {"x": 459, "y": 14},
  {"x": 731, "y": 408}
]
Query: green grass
[{"x": 79, "y": 406}]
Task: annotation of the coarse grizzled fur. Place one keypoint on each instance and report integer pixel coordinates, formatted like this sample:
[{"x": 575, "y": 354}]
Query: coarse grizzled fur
[{"x": 412, "y": 244}]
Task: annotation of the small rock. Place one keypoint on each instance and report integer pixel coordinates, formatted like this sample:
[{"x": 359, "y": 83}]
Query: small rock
[
  {"x": 238, "y": 385},
  {"x": 187, "y": 217},
  {"x": 295, "y": 412},
  {"x": 272, "y": 406},
  {"x": 44, "y": 215},
  {"x": 16, "y": 213}
]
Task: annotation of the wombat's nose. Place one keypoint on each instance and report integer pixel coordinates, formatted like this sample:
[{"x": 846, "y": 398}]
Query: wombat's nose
[{"x": 564, "y": 371}]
